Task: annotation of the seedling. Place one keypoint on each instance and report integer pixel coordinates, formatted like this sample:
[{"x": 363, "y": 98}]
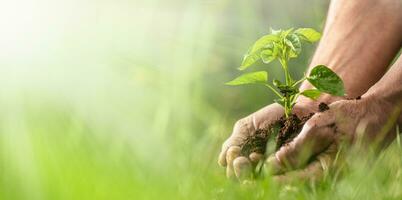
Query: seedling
[{"x": 283, "y": 45}]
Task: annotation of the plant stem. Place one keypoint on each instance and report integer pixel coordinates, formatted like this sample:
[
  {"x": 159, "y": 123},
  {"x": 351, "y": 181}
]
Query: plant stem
[
  {"x": 299, "y": 81},
  {"x": 289, "y": 82},
  {"x": 293, "y": 100},
  {"x": 273, "y": 89},
  {"x": 286, "y": 109}
]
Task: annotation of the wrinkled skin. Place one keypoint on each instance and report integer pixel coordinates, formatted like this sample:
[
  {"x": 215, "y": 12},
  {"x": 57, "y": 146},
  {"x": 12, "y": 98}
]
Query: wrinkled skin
[
  {"x": 240, "y": 166},
  {"x": 369, "y": 120},
  {"x": 345, "y": 121}
]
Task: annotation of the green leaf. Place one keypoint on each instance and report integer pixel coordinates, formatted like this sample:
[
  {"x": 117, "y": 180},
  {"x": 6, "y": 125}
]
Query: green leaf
[
  {"x": 293, "y": 41},
  {"x": 248, "y": 60},
  {"x": 325, "y": 80},
  {"x": 286, "y": 90},
  {"x": 277, "y": 83},
  {"x": 267, "y": 56},
  {"x": 259, "y": 77},
  {"x": 285, "y": 33},
  {"x": 312, "y": 93},
  {"x": 275, "y": 32},
  {"x": 264, "y": 42},
  {"x": 253, "y": 55},
  {"x": 292, "y": 54},
  {"x": 308, "y": 34}
]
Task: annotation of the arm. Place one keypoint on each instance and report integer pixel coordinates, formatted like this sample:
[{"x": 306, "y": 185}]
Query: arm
[{"x": 360, "y": 39}]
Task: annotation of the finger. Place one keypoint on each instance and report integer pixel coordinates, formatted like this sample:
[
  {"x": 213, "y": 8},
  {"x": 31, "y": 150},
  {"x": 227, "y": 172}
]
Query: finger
[
  {"x": 242, "y": 168},
  {"x": 315, "y": 136},
  {"x": 267, "y": 115},
  {"x": 231, "y": 154},
  {"x": 256, "y": 157},
  {"x": 314, "y": 171},
  {"x": 241, "y": 126},
  {"x": 222, "y": 155},
  {"x": 231, "y": 141},
  {"x": 230, "y": 172}
]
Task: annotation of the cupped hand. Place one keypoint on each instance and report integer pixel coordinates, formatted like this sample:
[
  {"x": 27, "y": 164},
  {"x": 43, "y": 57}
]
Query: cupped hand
[
  {"x": 370, "y": 120},
  {"x": 230, "y": 156}
]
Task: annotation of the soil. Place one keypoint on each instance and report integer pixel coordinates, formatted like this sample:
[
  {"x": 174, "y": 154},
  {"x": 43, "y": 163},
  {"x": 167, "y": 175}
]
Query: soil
[
  {"x": 257, "y": 142},
  {"x": 322, "y": 107},
  {"x": 283, "y": 130},
  {"x": 357, "y": 98},
  {"x": 290, "y": 128}
]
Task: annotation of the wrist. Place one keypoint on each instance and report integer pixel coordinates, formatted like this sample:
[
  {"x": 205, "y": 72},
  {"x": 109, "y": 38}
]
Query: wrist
[
  {"x": 388, "y": 99},
  {"x": 385, "y": 93}
]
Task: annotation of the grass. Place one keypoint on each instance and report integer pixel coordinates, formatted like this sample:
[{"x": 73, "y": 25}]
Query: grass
[
  {"x": 125, "y": 100},
  {"x": 56, "y": 154}
]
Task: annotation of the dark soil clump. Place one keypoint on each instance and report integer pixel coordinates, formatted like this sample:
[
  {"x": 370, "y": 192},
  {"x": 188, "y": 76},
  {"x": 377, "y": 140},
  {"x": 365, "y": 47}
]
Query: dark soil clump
[
  {"x": 357, "y": 98},
  {"x": 322, "y": 107},
  {"x": 290, "y": 128},
  {"x": 256, "y": 143},
  {"x": 284, "y": 131}
]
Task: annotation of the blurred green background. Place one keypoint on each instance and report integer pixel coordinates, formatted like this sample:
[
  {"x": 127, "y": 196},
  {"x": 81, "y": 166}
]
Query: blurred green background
[{"x": 124, "y": 99}]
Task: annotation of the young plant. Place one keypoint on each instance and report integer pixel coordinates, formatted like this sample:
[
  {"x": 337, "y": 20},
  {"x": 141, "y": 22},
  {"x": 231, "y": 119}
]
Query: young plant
[{"x": 283, "y": 45}]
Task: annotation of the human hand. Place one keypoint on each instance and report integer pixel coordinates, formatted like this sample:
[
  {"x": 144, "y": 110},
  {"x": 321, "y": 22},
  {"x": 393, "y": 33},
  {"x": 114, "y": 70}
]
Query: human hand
[
  {"x": 370, "y": 120},
  {"x": 241, "y": 166}
]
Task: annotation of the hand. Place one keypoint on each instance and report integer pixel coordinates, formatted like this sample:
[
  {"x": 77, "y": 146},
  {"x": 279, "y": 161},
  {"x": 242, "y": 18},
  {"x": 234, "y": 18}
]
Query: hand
[
  {"x": 371, "y": 118},
  {"x": 241, "y": 166}
]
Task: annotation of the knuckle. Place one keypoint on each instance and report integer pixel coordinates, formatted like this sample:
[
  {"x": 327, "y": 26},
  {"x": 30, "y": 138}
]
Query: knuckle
[
  {"x": 232, "y": 153},
  {"x": 242, "y": 128},
  {"x": 226, "y": 145},
  {"x": 240, "y": 123},
  {"x": 234, "y": 150}
]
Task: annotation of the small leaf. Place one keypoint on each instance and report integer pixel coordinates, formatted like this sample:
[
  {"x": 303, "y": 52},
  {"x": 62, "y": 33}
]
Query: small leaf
[
  {"x": 308, "y": 34},
  {"x": 292, "y": 54},
  {"x": 248, "y": 60},
  {"x": 293, "y": 41},
  {"x": 263, "y": 42},
  {"x": 286, "y": 90},
  {"x": 276, "y": 82},
  {"x": 285, "y": 33},
  {"x": 312, "y": 93},
  {"x": 253, "y": 55},
  {"x": 259, "y": 77},
  {"x": 275, "y": 32},
  {"x": 325, "y": 80},
  {"x": 275, "y": 49},
  {"x": 267, "y": 56}
]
